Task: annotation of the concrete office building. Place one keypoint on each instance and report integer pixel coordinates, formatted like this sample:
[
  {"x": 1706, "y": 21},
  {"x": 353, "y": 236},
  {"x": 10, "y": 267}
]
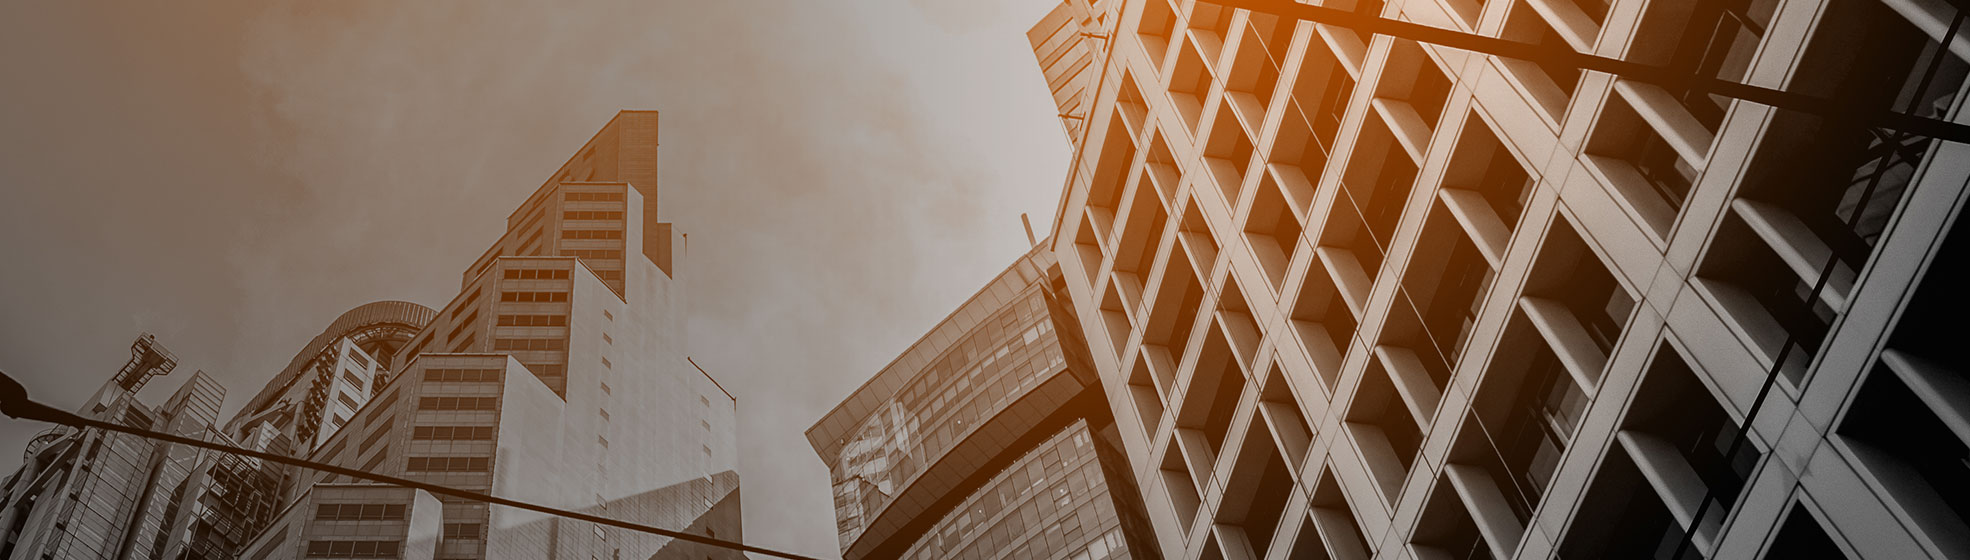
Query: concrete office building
[
  {"x": 1356, "y": 297},
  {"x": 987, "y": 438},
  {"x": 556, "y": 376},
  {"x": 89, "y": 494}
]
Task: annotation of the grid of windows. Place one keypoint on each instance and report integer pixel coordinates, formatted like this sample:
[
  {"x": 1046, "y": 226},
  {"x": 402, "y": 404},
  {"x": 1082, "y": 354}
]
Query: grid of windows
[
  {"x": 592, "y": 215},
  {"x": 591, "y": 234},
  {"x": 1481, "y": 274},
  {"x": 536, "y": 274},
  {"x": 462, "y": 375},
  {"x": 452, "y": 433},
  {"x": 359, "y": 512},
  {"x": 458, "y": 403},
  {"x": 450, "y": 464},
  {"x": 353, "y": 549},
  {"x": 594, "y": 197},
  {"x": 533, "y": 297},
  {"x": 530, "y": 344},
  {"x": 533, "y": 320}
]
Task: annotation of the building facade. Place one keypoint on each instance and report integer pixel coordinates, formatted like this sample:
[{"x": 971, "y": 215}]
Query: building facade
[
  {"x": 557, "y": 376},
  {"x": 1358, "y": 297},
  {"x": 87, "y": 494},
  {"x": 987, "y": 438}
]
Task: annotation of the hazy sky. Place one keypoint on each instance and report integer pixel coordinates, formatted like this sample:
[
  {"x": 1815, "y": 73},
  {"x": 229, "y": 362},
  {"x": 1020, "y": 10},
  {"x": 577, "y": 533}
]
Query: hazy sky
[{"x": 230, "y": 177}]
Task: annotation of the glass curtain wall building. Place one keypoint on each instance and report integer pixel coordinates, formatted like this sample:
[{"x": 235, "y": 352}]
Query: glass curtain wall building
[
  {"x": 987, "y": 438},
  {"x": 1358, "y": 297}
]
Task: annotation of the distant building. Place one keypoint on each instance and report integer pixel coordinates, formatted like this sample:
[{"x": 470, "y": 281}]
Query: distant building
[
  {"x": 556, "y": 376},
  {"x": 1359, "y": 297},
  {"x": 988, "y": 438},
  {"x": 86, "y": 494}
]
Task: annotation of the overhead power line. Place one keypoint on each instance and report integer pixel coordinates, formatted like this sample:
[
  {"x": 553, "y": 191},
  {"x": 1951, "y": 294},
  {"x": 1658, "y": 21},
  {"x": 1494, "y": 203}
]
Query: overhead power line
[
  {"x": 14, "y": 402},
  {"x": 1668, "y": 78}
]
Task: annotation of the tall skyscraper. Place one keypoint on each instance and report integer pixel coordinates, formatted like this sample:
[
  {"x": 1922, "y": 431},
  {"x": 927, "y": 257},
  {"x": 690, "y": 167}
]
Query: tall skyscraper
[
  {"x": 988, "y": 438},
  {"x": 1355, "y": 296},
  {"x": 556, "y": 376},
  {"x": 86, "y": 494}
]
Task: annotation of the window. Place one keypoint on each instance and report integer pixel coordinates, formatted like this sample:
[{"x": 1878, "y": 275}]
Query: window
[
  {"x": 528, "y": 344},
  {"x": 453, "y": 375},
  {"x": 359, "y": 512},
  {"x": 533, "y": 320},
  {"x": 465, "y": 344},
  {"x": 379, "y": 406},
  {"x": 450, "y": 464},
  {"x": 594, "y": 254},
  {"x": 458, "y": 403},
  {"x": 591, "y": 234},
  {"x": 452, "y": 433},
  {"x": 533, "y": 297},
  {"x": 462, "y": 531},
  {"x": 536, "y": 274},
  {"x": 594, "y": 197},
  {"x": 357, "y": 357},
  {"x": 374, "y": 436},
  {"x": 591, "y": 215},
  {"x": 353, "y": 549},
  {"x": 469, "y": 300},
  {"x": 469, "y": 321}
]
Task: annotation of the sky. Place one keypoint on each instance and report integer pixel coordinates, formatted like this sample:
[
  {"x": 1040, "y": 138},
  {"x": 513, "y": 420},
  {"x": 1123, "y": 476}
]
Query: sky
[{"x": 230, "y": 176}]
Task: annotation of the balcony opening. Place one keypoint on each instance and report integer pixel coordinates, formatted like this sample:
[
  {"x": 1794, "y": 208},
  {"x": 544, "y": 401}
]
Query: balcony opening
[
  {"x": 1486, "y": 187},
  {"x": 1255, "y": 494},
  {"x": 1331, "y": 515},
  {"x": 1549, "y": 83},
  {"x": 1115, "y": 319},
  {"x": 1087, "y": 246},
  {"x": 1319, "y": 104},
  {"x": 1905, "y": 426},
  {"x": 1216, "y": 383},
  {"x": 1649, "y": 174},
  {"x": 1255, "y": 69},
  {"x": 1227, "y": 152},
  {"x": 1621, "y": 518},
  {"x": 1323, "y": 325},
  {"x": 1240, "y": 330},
  {"x": 1678, "y": 440},
  {"x": 1445, "y": 528},
  {"x": 1575, "y": 301},
  {"x": 1210, "y": 27},
  {"x": 1284, "y": 419},
  {"x": 1173, "y": 313},
  {"x": 1162, "y": 170},
  {"x": 1412, "y": 87},
  {"x": 1110, "y": 173},
  {"x": 1523, "y": 418},
  {"x": 1444, "y": 287},
  {"x": 1273, "y": 232},
  {"x": 1142, "y": 233},
  {"x": 1384, "y": 431},
  {"x": 1198, "y": 240},
  {"x": 1179, "y": 485},
  {"x": 1377, "y": 184},
  {"x": 1158, "y": 26},
  {"x": 1189, "y": 83},
  {"x": 1347, "y": 42},
  {"x": 1711, "y": 38},
  {"x": 1146, "y": 392},
  {"x": 1767, "y": 301}
]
